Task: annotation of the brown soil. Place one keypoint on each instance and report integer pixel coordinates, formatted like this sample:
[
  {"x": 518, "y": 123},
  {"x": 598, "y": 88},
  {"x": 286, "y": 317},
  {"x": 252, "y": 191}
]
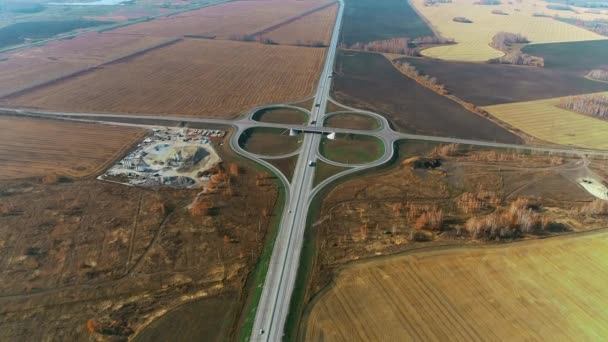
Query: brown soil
[
  {"x": 374, "y": 215},
  {"x": 352, "y": 121},
  {"x": 489, "y": 84},
  {"x": 95, "y": 260},
  {"x": 53, "y": 148},
  {"x": 370, "y": 81},
  {"x": 194, "y": 77}
]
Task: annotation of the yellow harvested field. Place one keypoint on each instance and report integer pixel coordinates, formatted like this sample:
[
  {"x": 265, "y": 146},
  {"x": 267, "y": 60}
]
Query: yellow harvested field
[
  {"x": 544, "y": 120},
  {"x": 314, "y": 27},
  {"x": 194, "y": 77},
  {"x": 473, "y": 39},
  {"x": 547, "y": 290},
  {"x": 39, "y": 147}
]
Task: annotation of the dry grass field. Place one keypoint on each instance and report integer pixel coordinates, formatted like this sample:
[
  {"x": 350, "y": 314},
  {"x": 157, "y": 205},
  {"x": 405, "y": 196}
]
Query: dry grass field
[
  {"x": 97, "y": 261},
  {"x": 36, "y": 147},
  {"x": 195, "y": 77},
  {"x": 224, "y": 20},
  {"x": 312, "y": 28},
  {"x": 473, "y": 39},
  {"x": 536, "y": 291},
  {"x": 544, "y": 120},
  {"x": 25, "y": 68}
]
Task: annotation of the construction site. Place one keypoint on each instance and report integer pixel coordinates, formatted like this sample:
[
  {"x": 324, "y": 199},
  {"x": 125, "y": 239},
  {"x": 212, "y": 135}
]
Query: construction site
[{"x": 175, "y": 157}]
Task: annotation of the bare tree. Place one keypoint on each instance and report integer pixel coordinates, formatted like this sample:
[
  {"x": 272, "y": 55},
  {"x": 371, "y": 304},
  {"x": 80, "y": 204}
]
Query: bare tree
[{"x": 595, "y": 105}]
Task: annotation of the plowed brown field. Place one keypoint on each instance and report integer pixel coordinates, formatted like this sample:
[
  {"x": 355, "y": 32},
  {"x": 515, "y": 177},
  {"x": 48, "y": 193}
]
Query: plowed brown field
[
  {"x": 224, "y": 20},
  {"x": 29, "y": 67},
  {"x": 197, "y": 77},
  {"x": 312, "y": 28},
  {"x": 37, "y": 147}
]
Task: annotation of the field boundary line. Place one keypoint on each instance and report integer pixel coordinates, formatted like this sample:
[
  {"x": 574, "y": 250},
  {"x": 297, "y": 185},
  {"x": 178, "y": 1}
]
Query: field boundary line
[
  {"x": 118, "y": 155},
  {"x": 594, "y": 80},
  {"x": 102, "y": 167},
  {"x": 526, "y": 138},
  {"x": 291, "y": 19},
  {"x": 426, "y": 21},
  {"x": 81, "y": 72}
]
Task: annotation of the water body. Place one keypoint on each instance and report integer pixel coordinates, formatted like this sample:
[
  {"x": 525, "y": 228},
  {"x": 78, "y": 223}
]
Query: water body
[{"x": 92, "y": 3}]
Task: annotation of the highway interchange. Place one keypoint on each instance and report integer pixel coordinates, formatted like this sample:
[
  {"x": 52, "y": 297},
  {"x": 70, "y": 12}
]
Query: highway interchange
[{"x": 275, "y": 300}]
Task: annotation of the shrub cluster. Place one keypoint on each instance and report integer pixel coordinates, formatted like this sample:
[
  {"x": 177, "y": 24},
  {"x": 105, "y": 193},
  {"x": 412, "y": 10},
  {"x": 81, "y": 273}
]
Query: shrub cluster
[
  {"x": 462, "y": 20},
  {"x": 436, "y": 2},
  {"x": 599, "y": 26},
  {"x": 597, "y": 207},
  {"x": 403, "y": 46},
  {"x": 499, "y": 12},
  {"x": 471, "y": 202},
  {"x": 598, "y": 74},
  {"x": 425, "y": 80},
  {"x": 503, "y": 41},
  {"x": 505, "y": 223}
]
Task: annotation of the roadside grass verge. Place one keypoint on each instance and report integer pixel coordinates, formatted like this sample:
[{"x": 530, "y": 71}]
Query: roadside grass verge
[
  {"x": 352, "y": 148},
  {"x": 255, "y": 283},
  {"x": 281, "y": 115},
  {"x": 268, "y": 141},
  {"x": 286, "y": 165},
  {"x": 324, "y": 171},
  {"x": 350, "y": 120}
]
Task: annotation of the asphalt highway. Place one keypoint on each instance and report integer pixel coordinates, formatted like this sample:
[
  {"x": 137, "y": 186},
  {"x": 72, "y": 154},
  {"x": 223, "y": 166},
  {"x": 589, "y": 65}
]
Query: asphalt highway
[
  {"x": 273, "y": 307},
  {"x": 384, "y": 133}
]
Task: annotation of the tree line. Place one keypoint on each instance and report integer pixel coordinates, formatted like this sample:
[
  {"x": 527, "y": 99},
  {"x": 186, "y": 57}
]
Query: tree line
[
  {"x": 402, "y": 46},
  {"x": 504, "y": 41},
  {"x": 598, "y": 75},
  {"x": 595, "y": 105}
]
